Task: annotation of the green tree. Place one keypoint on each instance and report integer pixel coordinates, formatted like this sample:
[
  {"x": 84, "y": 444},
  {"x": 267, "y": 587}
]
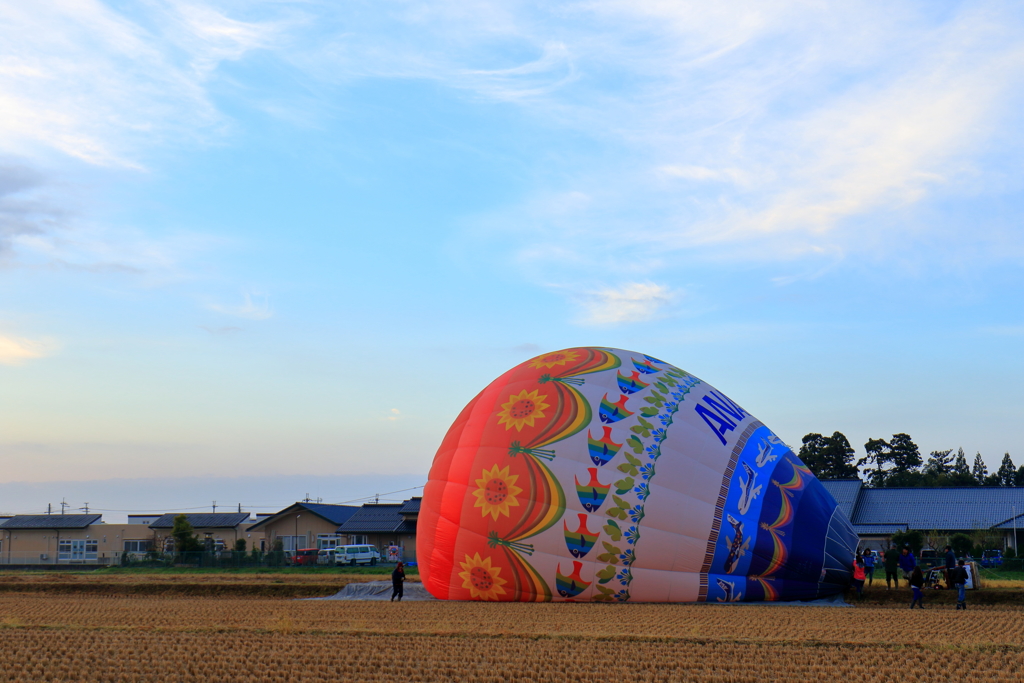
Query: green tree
[
  {"x": 961, "y": 474},
  {"x": 184, "y": 535},
  {"x": 894, "y": 463},
  {"x": 1007, "y": 473},
  {"x": 911, "y": 537},
  {"x": 980, "y": 470},
  {"x": 1018, "y": 478},
  {"x": 938, "y": 468},
  {"x": 829, "y": 457},
  {"x": 240, "y": 545},
  {"x": 961, "y": 544}
]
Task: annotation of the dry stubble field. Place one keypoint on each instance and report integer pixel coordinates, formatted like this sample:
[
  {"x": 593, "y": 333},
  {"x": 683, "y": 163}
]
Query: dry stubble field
[{"x": 90, "y": 637}]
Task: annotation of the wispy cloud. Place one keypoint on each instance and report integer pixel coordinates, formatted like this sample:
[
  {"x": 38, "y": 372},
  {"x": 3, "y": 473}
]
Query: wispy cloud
[
  {"x": 254, "y": 306},
  {"x": 85, "y": 80},
  {"x": 629, "y": 303},
  {"x": 770, "y": 133},
  {"x": 18, "y": 350}
]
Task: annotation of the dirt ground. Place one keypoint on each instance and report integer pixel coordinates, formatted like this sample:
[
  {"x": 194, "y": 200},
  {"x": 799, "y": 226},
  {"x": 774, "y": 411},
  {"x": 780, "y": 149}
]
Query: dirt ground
[{"x": 54, "y": 636}]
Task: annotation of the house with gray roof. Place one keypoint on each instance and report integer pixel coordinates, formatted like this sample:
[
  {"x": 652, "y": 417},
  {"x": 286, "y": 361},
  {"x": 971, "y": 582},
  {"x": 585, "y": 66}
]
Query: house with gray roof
[
  {"x": 219, "y": 530},
  {"x": 385, "y": 524},
  {"x": 304, "y": 525},
  {"x": 876, "y": 514}
]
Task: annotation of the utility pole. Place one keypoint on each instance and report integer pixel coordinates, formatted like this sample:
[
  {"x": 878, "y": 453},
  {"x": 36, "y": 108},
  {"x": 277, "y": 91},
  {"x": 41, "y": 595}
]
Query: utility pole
[
  {"x": 49, "y": 508},
  {"x": 63, "y": 505},
  {"x": 1015, "y": 530},
  {"x": 239, "y": 507},
  {"x": 376, "y": 498},
  {"x": 214, "y": 507},
  {"x": 86, "y": 508}
]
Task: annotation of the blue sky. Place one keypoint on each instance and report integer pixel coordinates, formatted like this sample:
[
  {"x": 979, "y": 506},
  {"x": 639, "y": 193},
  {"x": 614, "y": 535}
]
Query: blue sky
[{"x": 288, "y": 241}]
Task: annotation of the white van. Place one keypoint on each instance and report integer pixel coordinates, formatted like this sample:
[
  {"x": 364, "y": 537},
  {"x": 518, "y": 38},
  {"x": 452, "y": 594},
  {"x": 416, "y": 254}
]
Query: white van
[{"x": 356, "y": 554}]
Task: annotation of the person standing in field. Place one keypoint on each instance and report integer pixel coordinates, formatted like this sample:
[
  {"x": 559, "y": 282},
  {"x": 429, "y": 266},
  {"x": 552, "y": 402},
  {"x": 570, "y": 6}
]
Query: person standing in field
[
  {"x": 858, "y": 575},
  {"x": 869, "y": 566},
  {"x": 950, "y": 566},
  {"x": 917, "y": 588},
  {"x": 892, "y": 563},
  {"x": 960, "y": 581},
  {"x": 398, "y": 582},
  {"x": 907, "y": 562}
]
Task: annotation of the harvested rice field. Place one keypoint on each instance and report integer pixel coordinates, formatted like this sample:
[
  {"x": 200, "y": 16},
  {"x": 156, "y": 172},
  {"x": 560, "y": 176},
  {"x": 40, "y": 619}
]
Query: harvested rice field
[{"x": 58, "y": 637}]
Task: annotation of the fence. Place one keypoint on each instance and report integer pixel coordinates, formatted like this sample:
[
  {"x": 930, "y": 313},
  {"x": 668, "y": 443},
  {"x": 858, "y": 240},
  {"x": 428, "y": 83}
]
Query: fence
[{"x": 226, "y": 559}]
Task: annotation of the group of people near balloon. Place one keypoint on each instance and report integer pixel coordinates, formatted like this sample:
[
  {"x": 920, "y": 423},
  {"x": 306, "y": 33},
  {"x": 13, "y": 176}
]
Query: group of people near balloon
[{"x": 904, "y": 562}]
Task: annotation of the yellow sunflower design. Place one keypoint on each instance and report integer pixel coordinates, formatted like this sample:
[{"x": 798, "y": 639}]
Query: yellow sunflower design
[
  {"x": 481, "y": 578},
  {"x": 522, "y": 409},
  {"x": 497, "y": 492},
  {"x": 552, "y": 359}
]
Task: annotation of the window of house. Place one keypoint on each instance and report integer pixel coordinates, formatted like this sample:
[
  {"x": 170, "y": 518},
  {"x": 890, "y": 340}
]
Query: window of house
[
  {"x": 137, "y": 546},
  {"x": 359, "y": 540},
  {"x": 77, "y": 550},
  {"x": 328, "y": 541},
  {"x": 293, "y": 542}
]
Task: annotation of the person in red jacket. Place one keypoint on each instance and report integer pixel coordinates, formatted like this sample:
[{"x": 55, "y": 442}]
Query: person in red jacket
[{"x": 858, "y": 575}]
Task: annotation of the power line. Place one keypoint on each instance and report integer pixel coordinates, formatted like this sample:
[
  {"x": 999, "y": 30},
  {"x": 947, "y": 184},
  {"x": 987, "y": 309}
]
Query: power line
[{"x": 378, "y": 495}]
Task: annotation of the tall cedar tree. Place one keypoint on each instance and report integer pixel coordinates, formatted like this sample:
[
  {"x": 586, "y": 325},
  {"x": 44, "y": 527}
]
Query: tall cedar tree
[
  {"x": 1006, "y": 474},
  {"x": 961, "y": 474},
  {"x": 829, "y": 457},
  {"x": 980, "y": 470}
]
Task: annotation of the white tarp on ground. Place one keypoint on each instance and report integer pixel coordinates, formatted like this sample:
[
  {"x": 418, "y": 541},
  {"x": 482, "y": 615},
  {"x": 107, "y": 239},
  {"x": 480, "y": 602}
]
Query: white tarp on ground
[{"x": 378, "y": 590}]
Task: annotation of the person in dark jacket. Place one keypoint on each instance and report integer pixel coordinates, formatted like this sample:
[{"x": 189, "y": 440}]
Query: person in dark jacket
[
  {"x": 398, "y": 582},
  {"x": 950, "y": 566},
  {"x": 917, "y": 588},
  {"x": 960, "y": 581},
  {"x": 892, "y": 562}
]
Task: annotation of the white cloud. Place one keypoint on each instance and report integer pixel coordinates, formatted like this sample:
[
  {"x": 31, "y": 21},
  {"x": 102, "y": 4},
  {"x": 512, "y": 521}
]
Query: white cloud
[
  {"x": 757, "y": 132},
  {"x": 84, "y": 80},
  {"x": 630, "y": 303},
  {"x": 17, "y": 350},
  {"x": 255, "y": 306}
]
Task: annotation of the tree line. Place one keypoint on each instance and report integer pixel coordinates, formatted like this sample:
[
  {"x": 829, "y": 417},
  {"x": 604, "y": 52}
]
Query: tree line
[{"x": 898, "y": 462}]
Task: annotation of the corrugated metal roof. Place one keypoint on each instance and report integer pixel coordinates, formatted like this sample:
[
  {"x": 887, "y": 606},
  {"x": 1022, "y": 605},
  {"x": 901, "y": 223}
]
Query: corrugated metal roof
[
  {"x": 337, "y": 514},
  {"x": 1009, "y": 524},
  {"x": 411, "y": 506},
  {"x": 845, "y": 491},
  {"x": 944, "y": 509},
  {"x": 374, "y": 519},
  {"x": 406, "y": 527},
  {"x": 873, "y": 529},
  {"x": 205, "y": 520},
  {"x": 50, "y": 521}
]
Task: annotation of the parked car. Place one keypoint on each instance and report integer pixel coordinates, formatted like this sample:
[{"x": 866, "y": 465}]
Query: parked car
[
  {"x": 326, "y": 556},
  {"x": 930, "y": 558},
  {"x": 992, "y": 558},
  {"x": 356, "y": 554},
  {"x": 305, "y": 556}
]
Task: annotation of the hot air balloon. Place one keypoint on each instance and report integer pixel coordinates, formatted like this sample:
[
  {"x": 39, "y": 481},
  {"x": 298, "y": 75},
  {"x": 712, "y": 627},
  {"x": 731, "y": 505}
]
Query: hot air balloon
[{"x": 597, "y": 474}]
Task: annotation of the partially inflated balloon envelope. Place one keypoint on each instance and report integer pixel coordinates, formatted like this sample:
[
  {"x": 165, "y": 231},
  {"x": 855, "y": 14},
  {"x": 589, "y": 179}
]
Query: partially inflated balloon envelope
[{"x": 595, "y": 474}]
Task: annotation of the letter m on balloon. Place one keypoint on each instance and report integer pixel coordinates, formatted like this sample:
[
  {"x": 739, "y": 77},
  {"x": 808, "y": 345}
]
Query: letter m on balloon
[{"x": 720, "y": 413}]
